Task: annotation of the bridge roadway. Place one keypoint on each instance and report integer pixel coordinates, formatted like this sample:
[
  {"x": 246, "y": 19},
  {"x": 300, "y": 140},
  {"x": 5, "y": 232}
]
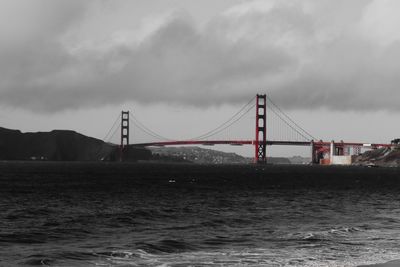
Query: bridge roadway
[{"x": 253, "y": 142}]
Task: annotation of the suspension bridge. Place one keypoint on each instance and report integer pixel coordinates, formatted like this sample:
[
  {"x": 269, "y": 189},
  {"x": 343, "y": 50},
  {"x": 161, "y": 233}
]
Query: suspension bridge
[{"x": 272, "y": 126}]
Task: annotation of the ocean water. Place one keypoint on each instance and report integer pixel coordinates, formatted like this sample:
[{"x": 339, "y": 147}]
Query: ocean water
[{"x": 97, "y": 214}]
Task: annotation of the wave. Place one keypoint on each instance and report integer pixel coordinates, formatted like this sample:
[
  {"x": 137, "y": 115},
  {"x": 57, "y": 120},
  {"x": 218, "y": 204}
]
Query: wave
[
  {"x": 393, "y": 263},
  {"x": 166, "y": 246},
  {"x": 334, "y": 234},
  {"x": 64, "y": 258},
  {"x": 290, "y": 256},
  {"x": 24, "y": 238}
]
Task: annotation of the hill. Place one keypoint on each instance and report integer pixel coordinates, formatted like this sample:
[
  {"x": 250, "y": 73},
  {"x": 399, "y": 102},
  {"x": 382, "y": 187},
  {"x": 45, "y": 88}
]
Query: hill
[
  {"x": 205, "y": 156},
  {"x": 196, "y": 155},
  {"x": 59, "y": 145},
  {"x": 385, "y": 157}
]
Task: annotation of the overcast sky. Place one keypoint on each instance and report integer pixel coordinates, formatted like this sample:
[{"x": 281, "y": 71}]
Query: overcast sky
[{"x": 183, "y": 66}]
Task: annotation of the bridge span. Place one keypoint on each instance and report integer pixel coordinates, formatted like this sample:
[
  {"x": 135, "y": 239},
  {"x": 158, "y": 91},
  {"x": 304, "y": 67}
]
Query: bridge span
[
  {"x": 321, "y": 151},
  {"x": 221, "y": 142},
  {"x": 254, "y": 142}
]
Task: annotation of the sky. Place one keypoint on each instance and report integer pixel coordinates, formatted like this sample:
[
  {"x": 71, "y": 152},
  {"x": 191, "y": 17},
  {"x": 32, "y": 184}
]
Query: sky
[{"x": 183, "y": 67}]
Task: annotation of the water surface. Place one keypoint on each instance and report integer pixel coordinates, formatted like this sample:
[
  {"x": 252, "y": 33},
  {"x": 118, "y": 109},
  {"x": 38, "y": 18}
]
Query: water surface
[{"x": 97, "y": 214}]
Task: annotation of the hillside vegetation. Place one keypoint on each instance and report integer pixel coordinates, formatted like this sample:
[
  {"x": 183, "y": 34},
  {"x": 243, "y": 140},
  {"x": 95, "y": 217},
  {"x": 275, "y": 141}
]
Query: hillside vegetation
[{"x": 385, "y": 157}]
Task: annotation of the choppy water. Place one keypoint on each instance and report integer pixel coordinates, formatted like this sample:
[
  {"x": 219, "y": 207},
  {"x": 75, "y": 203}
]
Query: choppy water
[{"x": 164, "y": 215}]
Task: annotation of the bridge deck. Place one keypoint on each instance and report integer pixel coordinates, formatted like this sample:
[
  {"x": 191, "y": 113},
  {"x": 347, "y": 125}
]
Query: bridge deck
[{"x": 253, "y": 142}]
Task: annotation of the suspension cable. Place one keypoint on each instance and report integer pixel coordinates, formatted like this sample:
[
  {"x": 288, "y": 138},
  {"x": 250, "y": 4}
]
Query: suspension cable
[
  {"x": 216, "y": 130},
  {"x": 279, "y": 109},
  {"x": 288, "y": 124},
  {"x": 109, "y": 131},
  {"x": 115, "y": 131},
  {"x": 229, "y": 125},
  {"x": 146, "y": 129}
]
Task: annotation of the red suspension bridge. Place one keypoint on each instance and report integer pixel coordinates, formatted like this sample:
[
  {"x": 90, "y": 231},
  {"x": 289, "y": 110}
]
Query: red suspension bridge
[{"x": 272, "y": 127}]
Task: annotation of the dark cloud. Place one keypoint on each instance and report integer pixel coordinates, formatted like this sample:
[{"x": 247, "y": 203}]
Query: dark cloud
[
  {"x": 303, "y": 59},
  {"x": 352, "y": 74}
]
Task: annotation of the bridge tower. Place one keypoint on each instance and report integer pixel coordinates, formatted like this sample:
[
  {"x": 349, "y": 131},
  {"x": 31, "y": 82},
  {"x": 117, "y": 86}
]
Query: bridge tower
[
  {"x": 261, "y": 130},
  {"x": 124, "y": 133}
]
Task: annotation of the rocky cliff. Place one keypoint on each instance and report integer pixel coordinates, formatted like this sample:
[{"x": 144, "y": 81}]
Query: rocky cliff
[{"x": 385, "y": 157}]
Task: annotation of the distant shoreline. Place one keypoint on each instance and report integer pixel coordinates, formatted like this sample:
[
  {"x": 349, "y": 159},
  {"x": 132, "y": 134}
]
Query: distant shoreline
[{"x": 186, "y": 163}]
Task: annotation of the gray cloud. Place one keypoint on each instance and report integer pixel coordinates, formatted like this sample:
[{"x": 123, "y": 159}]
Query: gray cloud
[{"x": 302, "y": 58}]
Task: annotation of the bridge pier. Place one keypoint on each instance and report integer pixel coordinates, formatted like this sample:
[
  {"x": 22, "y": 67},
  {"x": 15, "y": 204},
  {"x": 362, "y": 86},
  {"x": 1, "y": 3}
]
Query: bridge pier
[
  {"x": 331, "y": 151},
  {"x": 261, "y": 130},
  {"x": 124, "y": 134},
  {"x": 314, "y": 155}
]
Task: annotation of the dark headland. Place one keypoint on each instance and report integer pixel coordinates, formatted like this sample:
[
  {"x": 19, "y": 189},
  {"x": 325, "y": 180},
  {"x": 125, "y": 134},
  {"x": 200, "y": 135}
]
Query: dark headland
[{"x": 59, "y": 145}]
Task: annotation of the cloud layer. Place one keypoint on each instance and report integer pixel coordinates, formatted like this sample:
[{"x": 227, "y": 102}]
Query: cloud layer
[{"x": 57, "y": 55}]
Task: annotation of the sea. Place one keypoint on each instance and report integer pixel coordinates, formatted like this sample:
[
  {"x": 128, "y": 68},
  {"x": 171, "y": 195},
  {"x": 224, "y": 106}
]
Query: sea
[{"x": 147, "y": 214}]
